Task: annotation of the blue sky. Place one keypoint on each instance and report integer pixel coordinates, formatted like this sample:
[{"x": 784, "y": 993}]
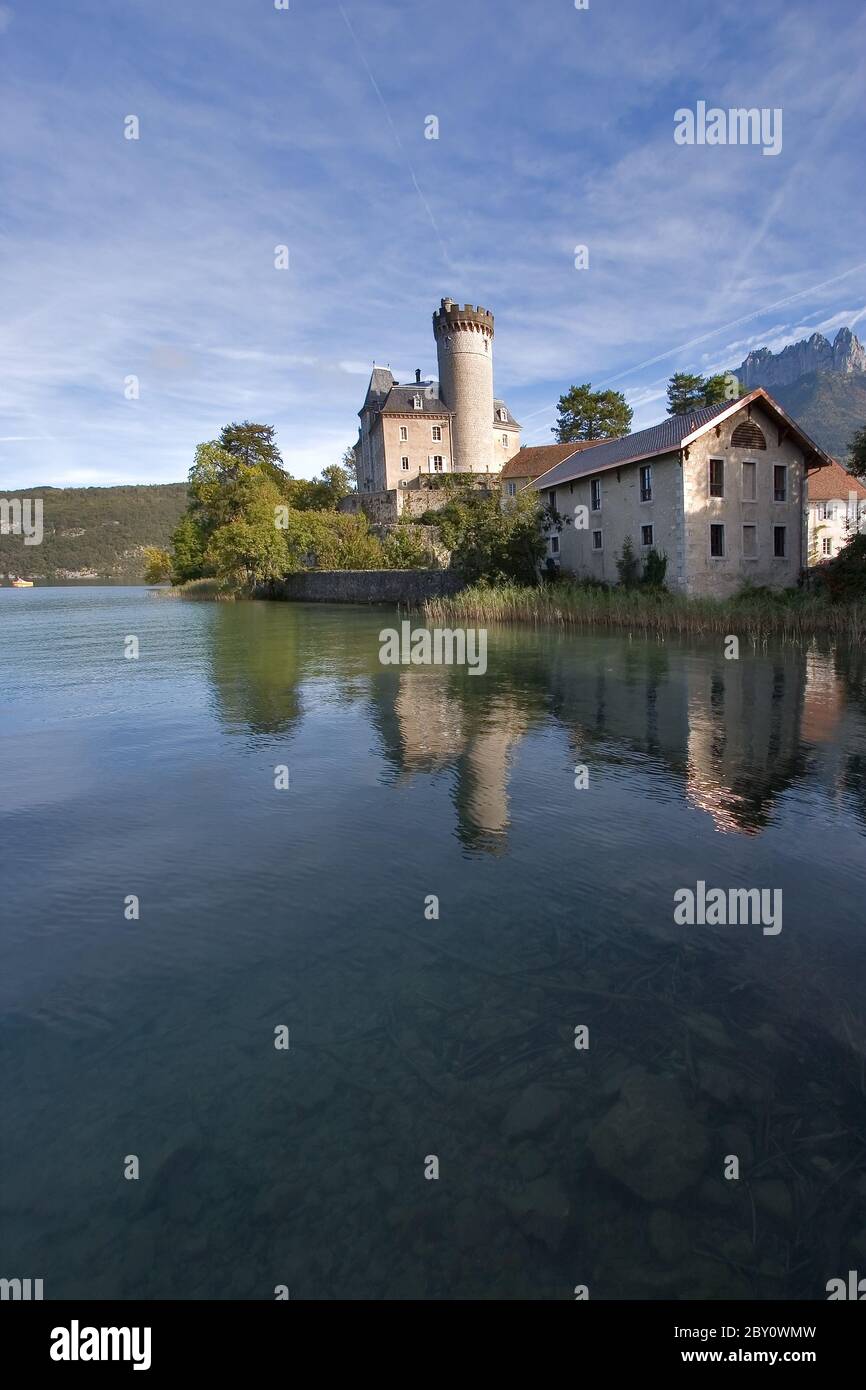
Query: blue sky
[{"x": 261, "y": 127}]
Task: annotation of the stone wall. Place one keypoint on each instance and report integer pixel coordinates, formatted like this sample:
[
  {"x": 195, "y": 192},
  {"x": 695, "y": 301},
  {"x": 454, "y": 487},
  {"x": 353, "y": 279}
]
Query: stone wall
[
  {"x": 362, "y": 586},
  {"x": 720, "y": 577},
  {"x": 622, "y": 514}
]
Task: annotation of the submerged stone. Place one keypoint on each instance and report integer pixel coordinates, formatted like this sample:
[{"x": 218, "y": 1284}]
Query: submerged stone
[
  {"x": 650, "y": 1141},
  {"x": 532, "y": 1111},
  {"x": 542, "y": 1210}
]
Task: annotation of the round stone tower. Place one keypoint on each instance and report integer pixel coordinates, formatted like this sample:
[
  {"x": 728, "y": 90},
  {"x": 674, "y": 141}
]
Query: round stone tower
[{"x": 464, "y": 347}]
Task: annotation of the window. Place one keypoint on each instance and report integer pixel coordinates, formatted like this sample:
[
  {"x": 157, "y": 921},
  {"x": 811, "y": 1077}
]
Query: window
[
  {"x": 596, "y": 540},
  {"x": 554, "y": 545},
  {"x": 748, "y": 436},
  {"x": 779, "y": 542},
  {"x": 750, "y": 482},
  {"x": 404, "y": 434},
  {"x": 646, "y": 483},
  {"x": 826, "y": 511},
  {"x": 505, "y": 441},
  {"x": 595, "y": 494},
  {"x": 717, "y": 541},
  {"x": 511, "y": 489},
  {"x": 437, "y": 434},
  {"x": 750, "y": 542},
  {"x": 503, "y": 413},
  {"x": 417, "y": 403},
  {"x": 437, "y": 463},
  {"x": 780, "y": 482},
  {"x": 646, "y": 535},
  {"x": 826, "y": 546},
  {"x": 717, "y": 477},
  {"x": 404, "y": 463},
  {"x": 551, "y": 499}
]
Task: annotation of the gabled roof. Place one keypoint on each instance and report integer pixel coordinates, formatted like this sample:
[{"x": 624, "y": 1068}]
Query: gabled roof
[
  {"x": 534, "y": 459},
  {"x": 834, "y": 484},
  {"x": 676, "y": 432}
]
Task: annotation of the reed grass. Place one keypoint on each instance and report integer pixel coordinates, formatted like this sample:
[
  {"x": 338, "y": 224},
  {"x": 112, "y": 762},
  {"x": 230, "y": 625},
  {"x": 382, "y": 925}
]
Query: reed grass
[
  {"x": 757, "y": 616},
  {"x": 220, "y": 590}
]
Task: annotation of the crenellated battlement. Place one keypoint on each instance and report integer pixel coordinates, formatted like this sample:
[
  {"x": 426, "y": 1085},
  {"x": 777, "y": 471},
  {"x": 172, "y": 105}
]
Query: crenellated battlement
[{"x": 451, "y": 317}]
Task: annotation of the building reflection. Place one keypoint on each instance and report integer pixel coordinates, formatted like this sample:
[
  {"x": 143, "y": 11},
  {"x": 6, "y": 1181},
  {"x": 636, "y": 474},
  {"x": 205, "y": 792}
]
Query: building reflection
[
  {"x": 430, "y": 721},
  {"x": 728, "y": 737}
]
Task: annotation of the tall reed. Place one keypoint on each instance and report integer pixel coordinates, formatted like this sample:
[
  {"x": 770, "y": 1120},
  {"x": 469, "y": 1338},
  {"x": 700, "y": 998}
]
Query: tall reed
[{"x": 756, "y": 616}]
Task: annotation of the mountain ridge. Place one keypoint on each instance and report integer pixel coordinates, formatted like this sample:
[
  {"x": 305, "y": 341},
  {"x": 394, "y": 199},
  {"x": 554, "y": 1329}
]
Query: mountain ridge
[
  {"x": 94, "y": 532},
  {"x": 821, "y": 384}
]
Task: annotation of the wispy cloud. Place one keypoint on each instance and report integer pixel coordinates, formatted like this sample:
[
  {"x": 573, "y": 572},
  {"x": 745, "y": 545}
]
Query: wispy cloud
[{"x": 154, "y": 259}]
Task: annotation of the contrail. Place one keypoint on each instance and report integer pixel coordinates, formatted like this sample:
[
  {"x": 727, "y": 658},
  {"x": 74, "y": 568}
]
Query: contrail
[
  {"x": 397, "y": 140},
  {"x": 722, "y": 328}
]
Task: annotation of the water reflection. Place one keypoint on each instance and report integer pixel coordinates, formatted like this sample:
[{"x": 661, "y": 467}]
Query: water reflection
[
  {"x": 733, "y": 734},
  {"x": 409, "y": 1035}
]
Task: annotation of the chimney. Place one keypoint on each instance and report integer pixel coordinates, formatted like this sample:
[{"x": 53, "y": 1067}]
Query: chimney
[{"x": 418, "y": 376}]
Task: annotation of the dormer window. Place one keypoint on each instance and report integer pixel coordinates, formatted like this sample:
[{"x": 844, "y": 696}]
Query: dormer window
[
  {"x": 503, "y": 413},
  {"x": 417, "y": 403}
]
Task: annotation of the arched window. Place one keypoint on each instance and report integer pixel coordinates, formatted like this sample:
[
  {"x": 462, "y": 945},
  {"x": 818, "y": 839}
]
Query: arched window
[{"x": 748, "y": 436}]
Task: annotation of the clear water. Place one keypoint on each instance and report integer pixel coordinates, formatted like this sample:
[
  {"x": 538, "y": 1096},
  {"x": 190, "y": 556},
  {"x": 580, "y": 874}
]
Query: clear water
[{"x": 412, "y": 1038}]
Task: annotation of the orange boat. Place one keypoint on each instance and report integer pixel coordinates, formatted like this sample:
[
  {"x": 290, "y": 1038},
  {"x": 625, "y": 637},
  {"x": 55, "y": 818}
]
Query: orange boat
[{"x": 22, "y": 583}]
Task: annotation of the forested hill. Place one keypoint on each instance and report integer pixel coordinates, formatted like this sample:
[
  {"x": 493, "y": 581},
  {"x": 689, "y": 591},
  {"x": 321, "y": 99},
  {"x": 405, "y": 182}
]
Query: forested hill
[{"x": 94, "y": 532}]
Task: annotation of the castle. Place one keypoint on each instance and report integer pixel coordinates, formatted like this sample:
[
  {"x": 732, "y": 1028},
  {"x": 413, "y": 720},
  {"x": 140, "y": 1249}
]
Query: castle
[{"x": 412, "y": 433}]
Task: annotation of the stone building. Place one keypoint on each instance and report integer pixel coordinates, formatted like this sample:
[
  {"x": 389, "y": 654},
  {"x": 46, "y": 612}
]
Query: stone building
[
  {"x": 720, "y": 490},
  {"x": 533, "y": 460},
  {"x": 412, "y": 433},
  {"x": 837, "y": 510}
]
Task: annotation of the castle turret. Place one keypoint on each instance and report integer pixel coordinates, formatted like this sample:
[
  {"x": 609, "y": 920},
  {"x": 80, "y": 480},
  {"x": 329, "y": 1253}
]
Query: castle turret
[{"x": 464, "y": 347}]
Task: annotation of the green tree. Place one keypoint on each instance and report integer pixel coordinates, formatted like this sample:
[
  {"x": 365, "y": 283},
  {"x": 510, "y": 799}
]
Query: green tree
[
  {"x": 488, "y": 542},
  {"x": 253, "y": 445},
  {"x": 686, "y": 391},
  {"x": 857, "y": 459},
  {"x": 406, "y": 549},
  {"x": 319, "y": 494},
  {"x": 655, "y": 567},
  {"x": 188, "y": 544},
  {"x": 587, "y": 414},
  {"x": 251, "y": 547},
  {"x": 627, "y": 564},
  {"x": 719, "y": 388},
  {"x": 157, "y": 565}
]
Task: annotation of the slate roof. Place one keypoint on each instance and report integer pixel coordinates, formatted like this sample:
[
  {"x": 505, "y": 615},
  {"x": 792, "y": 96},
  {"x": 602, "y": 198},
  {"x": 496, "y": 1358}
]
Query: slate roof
[
  {"x": 381, "y": 382},
  {"x": 503, "y": 424},
  {"x": 668, "y": 436},
  {"x": 400, "y": 399},
  {"x": 611, "y": 453},
  {"x": 534, "y": 459}
]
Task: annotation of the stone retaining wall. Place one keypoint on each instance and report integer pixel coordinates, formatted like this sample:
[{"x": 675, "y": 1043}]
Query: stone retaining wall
[{"x": 363, "y": 586}]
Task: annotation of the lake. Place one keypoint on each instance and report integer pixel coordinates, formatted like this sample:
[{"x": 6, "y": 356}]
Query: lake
[{"x": 509, "y": 1071}]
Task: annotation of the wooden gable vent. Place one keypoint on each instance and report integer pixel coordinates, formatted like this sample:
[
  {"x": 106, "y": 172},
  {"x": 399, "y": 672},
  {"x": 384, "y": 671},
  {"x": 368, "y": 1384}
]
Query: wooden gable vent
[{"x": 748, "y": 436}]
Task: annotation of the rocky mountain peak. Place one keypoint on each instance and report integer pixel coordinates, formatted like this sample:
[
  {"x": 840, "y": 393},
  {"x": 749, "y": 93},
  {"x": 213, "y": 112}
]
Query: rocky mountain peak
[{"x": 845, "y": 356}]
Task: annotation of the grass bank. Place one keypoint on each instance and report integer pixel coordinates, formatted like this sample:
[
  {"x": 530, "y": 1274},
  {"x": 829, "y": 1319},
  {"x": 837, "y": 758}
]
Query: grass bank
[{"x": 759, "y": 615}]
